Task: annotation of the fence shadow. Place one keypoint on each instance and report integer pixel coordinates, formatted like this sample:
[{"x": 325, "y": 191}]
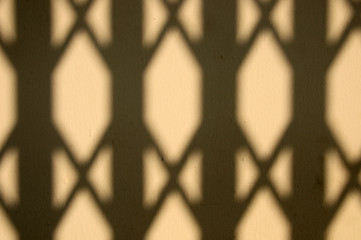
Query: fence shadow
[{"x": 50, "y": 133}]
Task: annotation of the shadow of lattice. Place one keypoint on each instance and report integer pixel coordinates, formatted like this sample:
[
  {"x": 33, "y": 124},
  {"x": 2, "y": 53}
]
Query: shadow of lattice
[{"x": 218, "y": 137}]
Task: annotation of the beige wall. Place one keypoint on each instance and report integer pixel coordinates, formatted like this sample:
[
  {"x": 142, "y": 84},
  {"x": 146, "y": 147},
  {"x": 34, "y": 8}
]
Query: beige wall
[{"x": 81, "y": 103}]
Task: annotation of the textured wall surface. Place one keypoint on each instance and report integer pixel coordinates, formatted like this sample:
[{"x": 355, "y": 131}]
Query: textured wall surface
[{"x": 180, "y": 119}]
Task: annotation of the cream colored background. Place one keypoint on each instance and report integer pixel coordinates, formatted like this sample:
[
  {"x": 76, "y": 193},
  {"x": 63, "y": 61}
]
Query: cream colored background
[{"x": 172, "y": 83}]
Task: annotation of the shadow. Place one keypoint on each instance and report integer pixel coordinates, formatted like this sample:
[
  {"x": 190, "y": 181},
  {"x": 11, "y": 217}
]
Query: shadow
[{"x": 219, "y": 136}]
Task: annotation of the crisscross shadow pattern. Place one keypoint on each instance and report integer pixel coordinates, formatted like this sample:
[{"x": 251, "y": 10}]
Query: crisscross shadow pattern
[{"x": 180, "y": 119}]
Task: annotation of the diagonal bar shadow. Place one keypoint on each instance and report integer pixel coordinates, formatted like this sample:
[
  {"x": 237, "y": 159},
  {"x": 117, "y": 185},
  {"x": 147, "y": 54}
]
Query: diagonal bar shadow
[{"x": 218, "y": 137}]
